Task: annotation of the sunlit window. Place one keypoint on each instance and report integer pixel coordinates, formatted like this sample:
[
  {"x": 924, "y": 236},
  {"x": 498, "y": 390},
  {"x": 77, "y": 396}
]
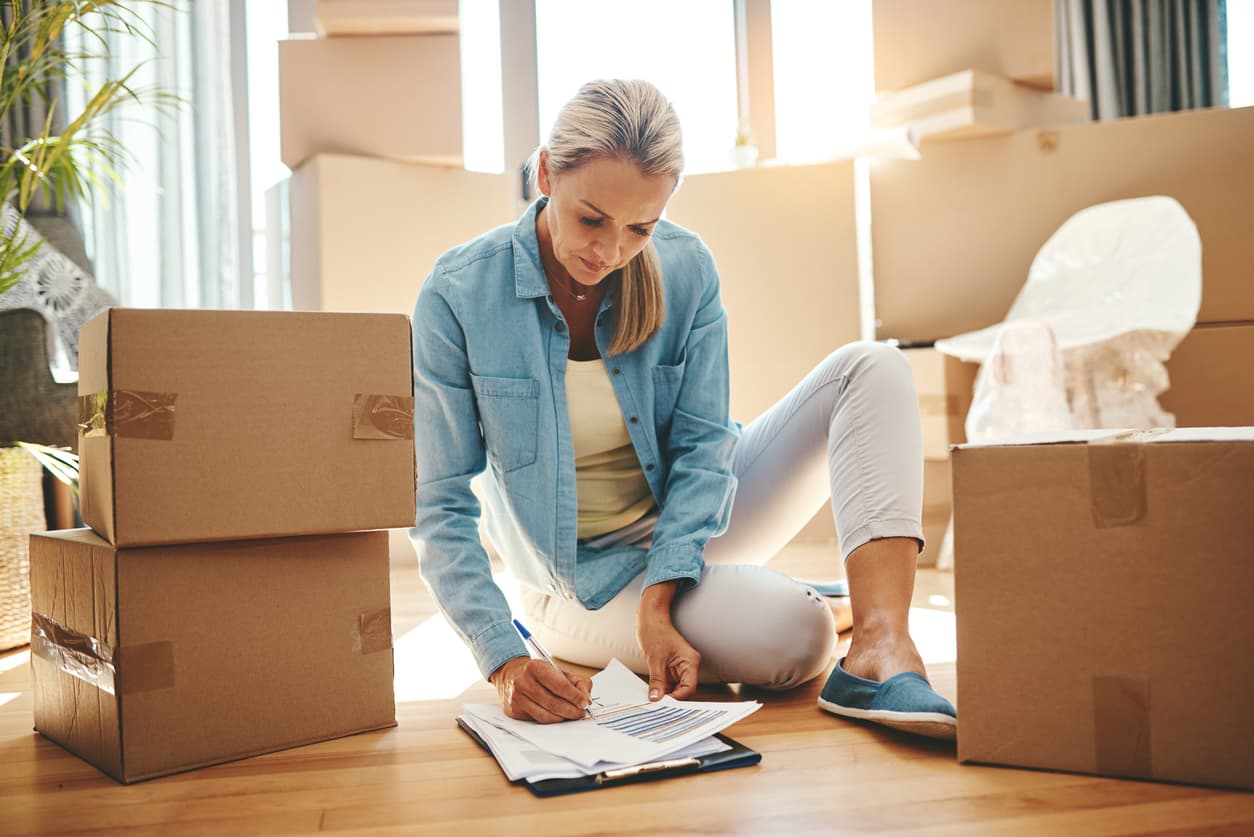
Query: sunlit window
[
  {"x": 1240, "y": 53},
  {"x": 824, "y": 83},
  {"x": 688, "y": 49}
]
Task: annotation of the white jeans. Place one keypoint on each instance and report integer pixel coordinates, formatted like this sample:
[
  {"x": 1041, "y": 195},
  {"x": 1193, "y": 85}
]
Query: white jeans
[{"x": 849, "y": 432}]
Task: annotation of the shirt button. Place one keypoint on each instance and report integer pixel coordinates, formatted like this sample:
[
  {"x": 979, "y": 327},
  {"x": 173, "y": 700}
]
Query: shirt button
[
  {"x": 617, "y": 371},
  {"x": 560, "y": 326},
  {"x": 649, "y": 467},
  {"x": 634, "y": 420}
]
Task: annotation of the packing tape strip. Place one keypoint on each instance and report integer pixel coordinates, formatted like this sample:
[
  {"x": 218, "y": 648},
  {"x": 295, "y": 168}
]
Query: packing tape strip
[
  {"x": 131, "y": 414},
  {"x": 1121, "y": 727},
  {"x": 78, "y": 655},
  {"x": 147, "y": 667},
  {"x": 137, "y": 668},
  {"x": 373, "y": 631},
  {"x": 383, "y": 416},
  {"x": 1117, "y": 477}
]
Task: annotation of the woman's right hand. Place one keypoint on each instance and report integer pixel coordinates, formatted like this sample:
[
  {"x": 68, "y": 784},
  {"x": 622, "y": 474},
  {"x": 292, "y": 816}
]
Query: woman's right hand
[{"x": 533, "y": 690}]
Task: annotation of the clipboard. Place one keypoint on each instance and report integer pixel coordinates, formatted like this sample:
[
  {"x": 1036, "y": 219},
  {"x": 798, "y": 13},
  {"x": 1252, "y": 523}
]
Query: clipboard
[{"x": 738, "y": 756}]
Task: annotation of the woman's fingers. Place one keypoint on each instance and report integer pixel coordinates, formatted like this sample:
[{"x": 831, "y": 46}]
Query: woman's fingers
[
  {"x": 523, "y": 708},
  {"x": 583, "y": 684},
  {"x": 659, "y": 683},
  {"x": 685, "y": 679},
  {"x": 550, "y": 688}
]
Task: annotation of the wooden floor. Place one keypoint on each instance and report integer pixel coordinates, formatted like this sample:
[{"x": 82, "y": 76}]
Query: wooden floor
[{"x": 819, "y": 774}]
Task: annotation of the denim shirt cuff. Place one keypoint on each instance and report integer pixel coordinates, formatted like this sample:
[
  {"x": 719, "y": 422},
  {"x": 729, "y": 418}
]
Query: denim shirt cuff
[
  {"x": 681, "y": 560},
  {"x": 495, "y": 646}
]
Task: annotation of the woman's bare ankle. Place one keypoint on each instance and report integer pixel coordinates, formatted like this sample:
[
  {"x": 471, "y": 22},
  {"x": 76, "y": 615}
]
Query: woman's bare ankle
[{"x": 879, "y": 657}]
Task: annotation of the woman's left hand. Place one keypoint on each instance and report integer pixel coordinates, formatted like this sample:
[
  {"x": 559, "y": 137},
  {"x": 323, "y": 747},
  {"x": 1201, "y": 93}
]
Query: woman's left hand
[{"x": 673, "y": 662}]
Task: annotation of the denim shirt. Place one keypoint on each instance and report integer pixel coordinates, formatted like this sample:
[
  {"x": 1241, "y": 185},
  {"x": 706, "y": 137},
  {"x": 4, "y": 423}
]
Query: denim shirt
[{"x": 490, "y": 352}]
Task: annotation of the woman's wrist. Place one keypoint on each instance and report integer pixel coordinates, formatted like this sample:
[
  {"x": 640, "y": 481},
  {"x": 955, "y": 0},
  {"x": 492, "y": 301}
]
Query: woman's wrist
[{"x": 657, "y": 598}]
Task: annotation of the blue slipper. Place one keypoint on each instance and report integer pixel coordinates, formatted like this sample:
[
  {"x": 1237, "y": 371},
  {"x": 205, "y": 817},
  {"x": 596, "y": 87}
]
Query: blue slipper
[
  {"x": 905, "y": 702},
  {"x": 829, "y": 588}
]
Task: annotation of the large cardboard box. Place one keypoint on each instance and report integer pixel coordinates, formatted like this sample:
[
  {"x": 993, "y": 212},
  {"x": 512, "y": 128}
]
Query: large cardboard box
[
  {"x": 1102, "y": 599},
  {"x": 1211, "y": 374},
  {"x": 151, "y": 661},
  {"x": 955, "y": 232},
  {"x": 919, "y": 40},
  {"x": 973, "y": 104},
  {"x": 226, "y": 425},
  {"x": 785, "y": 242},
  {"x": 946, "y": 386},
  {"x": 386, "y": 17},
  {"x": 396, "y": 96},
  {"x": 365, "y": 233}
]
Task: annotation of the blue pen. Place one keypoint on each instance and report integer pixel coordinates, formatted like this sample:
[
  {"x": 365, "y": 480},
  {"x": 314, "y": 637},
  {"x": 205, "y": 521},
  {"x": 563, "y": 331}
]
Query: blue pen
[{"x": 535, "y": 645}]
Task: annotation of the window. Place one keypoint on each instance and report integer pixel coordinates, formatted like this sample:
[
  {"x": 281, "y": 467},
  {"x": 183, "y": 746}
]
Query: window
[
  {"x": 1240, "y": 53},
  {"x": 687, "y": 49},
  {"x": 824, "y": 83}
]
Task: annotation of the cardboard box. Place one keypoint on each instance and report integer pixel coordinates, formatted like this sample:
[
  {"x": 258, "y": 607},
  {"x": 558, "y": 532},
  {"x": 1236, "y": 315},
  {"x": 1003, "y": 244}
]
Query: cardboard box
[
  {"x": 152, "y": 661},
  {"x": 397, "y": 97},
  {"x": 386, "y": 17},
  {"x": 365, "y": 233},
  {"x": 937, "y": 499},
  {"x": 227, "y": 425},
  {"x": 1211, "y": 374},
  {"x": 1102, "y": 600},
  {"x": 919, "y": 40},
  {"x": 785, "y": 243},
  {"x": 946, "y": 386},
  {"x": 955, "y": 232},
  {"x": 973, "y": 104}
]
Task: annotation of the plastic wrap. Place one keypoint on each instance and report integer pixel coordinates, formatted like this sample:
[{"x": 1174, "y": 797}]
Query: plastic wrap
[{"x": 1118, "y": 286}]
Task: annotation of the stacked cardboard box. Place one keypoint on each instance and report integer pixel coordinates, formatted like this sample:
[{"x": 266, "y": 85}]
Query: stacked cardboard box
[
  {"x": 227, "y": 602},
  {"x": 370, "y": 119},
  {"x": 1102, "y": 602},
  {"x": 967, "y": 68},
  {"x": 945, "y": 386}
]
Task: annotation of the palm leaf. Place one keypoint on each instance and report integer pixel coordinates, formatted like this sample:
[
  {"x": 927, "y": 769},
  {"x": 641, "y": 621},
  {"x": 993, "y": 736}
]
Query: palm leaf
[{"x": 59, "y": 462}]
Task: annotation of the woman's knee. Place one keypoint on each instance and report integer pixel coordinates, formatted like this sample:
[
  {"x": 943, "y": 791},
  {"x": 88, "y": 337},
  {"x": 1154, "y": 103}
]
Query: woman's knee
[
  {"x": 864, "y": 355},
  {"x": 781, "y": 636}
]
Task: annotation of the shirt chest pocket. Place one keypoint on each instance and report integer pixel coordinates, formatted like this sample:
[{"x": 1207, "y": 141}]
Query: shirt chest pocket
[
  {"x": 509, "y": 414},
  {"x": 666, "y": 383}
]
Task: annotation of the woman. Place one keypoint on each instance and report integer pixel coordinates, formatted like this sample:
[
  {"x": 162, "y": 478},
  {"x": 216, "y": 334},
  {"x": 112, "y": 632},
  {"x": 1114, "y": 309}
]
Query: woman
[{"x": 580, "y": 356}]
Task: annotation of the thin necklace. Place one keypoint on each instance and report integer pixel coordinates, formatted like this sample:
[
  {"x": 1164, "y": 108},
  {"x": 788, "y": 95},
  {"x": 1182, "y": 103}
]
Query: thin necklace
[{"x": 577, "y": 297}]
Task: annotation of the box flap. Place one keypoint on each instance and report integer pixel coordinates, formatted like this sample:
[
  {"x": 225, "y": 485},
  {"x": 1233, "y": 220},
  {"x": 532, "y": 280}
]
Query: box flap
[
  {"x": 95, "y": 446},
  {"x": 1155, "y": 435}
]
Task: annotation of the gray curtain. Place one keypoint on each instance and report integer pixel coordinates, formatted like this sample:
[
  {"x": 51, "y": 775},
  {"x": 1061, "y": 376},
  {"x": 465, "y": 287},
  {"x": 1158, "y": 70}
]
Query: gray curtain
[{"x": 1131, "y": 57}]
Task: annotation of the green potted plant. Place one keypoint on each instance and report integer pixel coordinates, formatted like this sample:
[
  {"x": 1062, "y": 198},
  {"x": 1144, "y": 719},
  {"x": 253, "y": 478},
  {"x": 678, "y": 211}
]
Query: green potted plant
[{"x": 61, "y": 162}]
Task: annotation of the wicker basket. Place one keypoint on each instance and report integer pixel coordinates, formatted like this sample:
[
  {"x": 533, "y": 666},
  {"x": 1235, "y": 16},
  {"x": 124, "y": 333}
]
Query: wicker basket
[{"x": 21, "y": 512}]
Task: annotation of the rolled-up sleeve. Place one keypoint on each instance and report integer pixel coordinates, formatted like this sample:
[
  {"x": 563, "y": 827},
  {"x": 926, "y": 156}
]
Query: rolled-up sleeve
[
  {"x": 700, "y": 485},
  {"x": 450, "y": 452}
]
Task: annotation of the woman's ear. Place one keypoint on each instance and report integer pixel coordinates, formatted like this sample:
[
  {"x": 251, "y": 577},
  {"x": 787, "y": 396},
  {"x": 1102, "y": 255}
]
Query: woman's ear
[{"x": 542, "y": 173}]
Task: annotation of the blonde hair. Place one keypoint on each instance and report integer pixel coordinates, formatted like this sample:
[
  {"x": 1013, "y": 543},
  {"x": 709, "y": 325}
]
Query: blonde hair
[{"x": 629, "y": 120}]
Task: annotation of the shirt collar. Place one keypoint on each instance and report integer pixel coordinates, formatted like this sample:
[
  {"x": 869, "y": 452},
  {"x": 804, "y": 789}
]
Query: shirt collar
[{"x": 529, "y": 278}]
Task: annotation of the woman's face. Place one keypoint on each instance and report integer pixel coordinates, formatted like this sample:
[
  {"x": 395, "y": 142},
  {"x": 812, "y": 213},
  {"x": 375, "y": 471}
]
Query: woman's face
[{"x": 600, "y": 214}]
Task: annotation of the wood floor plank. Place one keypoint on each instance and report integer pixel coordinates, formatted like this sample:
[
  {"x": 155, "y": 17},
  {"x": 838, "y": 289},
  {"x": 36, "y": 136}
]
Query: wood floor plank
[{"x": 819, "y": 775}]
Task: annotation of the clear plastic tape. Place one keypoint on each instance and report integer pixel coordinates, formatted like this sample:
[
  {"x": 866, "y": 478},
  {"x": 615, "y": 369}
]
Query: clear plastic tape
[
  {"x": 78, "y": 655},
  {"x": 383, "y": 416},
  {"x": 132, "y": 414}
]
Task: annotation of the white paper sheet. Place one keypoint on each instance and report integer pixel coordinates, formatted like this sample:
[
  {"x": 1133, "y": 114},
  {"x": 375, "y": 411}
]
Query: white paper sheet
[
  {"x": 520, "y": 759},
  {"x": 625, "y": 728}
]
